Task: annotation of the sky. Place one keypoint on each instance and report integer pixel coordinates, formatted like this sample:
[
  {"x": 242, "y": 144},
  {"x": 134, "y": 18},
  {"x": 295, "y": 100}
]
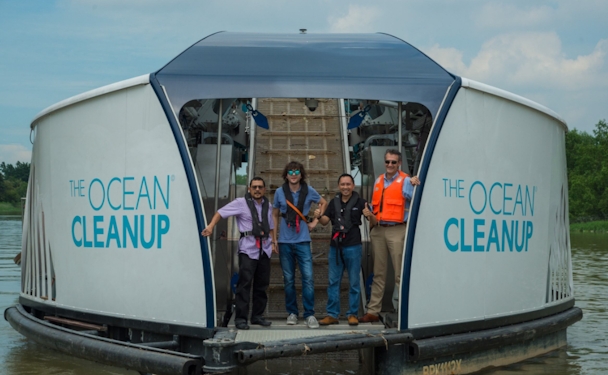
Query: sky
[{"x": 552, "y": 52}]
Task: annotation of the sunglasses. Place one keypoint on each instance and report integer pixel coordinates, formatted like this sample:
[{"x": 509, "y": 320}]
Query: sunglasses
[
  {"x": 294, "y": 172},
  {"x": 257, "y": 187},
  {"x": 390, "y": 162}
]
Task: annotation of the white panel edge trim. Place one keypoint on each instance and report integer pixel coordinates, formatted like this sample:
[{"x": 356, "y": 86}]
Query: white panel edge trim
[
  {"x": 141, "y": 80},
  {"x": 469, "y": 83}
]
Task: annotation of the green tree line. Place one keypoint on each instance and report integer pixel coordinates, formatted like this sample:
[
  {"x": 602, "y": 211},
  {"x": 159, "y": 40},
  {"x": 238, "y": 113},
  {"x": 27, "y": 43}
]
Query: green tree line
[
  {"x": 587, "y": 157},
  {"x": 586, "y": 154},
  {"x": 13, "y": 181}
]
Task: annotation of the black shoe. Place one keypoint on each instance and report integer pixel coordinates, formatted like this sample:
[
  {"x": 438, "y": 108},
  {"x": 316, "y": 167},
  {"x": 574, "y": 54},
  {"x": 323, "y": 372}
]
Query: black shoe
[
  {"x": 242, "y": 325},
  {"x": 261, "y": 321}
]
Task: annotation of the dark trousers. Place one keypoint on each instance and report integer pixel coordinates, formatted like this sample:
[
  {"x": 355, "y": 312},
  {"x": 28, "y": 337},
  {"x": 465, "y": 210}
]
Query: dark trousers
[{"x": 256, "y": 273}]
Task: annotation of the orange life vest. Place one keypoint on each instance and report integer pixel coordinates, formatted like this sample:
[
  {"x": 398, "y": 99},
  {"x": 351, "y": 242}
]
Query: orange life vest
[{"x": 389, "y": 204}]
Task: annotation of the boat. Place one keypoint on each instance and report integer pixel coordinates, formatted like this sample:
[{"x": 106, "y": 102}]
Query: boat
[{"x": 125, "y": 177}]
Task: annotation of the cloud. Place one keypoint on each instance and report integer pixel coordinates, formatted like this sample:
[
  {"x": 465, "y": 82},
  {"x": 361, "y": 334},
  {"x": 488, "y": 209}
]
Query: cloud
[
  {"x": 525, "y": 59},
  {"x": 13, "y": 153},
  {"x": 449, "y": 58},
  {"x": 534, "y": 65},
  {"x": 498, "y": 15},
  {"x": 359, "y": 19}
]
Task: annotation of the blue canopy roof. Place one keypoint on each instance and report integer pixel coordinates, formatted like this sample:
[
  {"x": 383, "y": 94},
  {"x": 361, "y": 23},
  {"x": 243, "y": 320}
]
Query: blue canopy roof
[{"x": 361, "y": 66}]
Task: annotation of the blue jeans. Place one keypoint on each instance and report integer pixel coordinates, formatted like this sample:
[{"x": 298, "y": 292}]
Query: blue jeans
[
  {"x": 289, "y": 254},
  {"x": 351, "y": 261}
]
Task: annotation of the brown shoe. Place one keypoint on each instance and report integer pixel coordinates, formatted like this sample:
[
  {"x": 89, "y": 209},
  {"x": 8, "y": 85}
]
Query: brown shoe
[
  {"x": 369, "y": 318},
  {"x": 328, "y": 320},
  {"x": 352, "y": 320}
]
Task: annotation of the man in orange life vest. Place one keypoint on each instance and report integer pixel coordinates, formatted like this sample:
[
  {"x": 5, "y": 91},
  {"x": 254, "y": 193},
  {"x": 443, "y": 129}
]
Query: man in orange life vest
[{"x": 390, "y": 205}]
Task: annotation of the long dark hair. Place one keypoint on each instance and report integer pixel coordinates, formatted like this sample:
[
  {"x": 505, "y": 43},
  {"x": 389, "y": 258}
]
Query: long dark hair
[{"x": 294, "y": 165}]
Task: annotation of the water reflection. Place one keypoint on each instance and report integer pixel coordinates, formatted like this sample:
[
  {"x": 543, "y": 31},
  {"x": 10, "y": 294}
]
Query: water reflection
[
  {"x": 26, "y": 357},
  {"x": 559, "y": 362},
  {"x": 586, "y": 353},
  {"x": 587, "y": 341},
  {"x": 587, "y": 350}
]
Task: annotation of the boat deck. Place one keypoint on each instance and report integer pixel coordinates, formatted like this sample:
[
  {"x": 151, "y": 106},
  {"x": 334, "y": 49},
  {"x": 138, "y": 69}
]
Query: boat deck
[{"x": 281, "y": 331}]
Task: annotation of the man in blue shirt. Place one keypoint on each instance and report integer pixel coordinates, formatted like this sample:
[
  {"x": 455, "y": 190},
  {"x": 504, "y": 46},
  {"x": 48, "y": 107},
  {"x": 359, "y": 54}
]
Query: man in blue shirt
[{"x": 292, "y": 203}]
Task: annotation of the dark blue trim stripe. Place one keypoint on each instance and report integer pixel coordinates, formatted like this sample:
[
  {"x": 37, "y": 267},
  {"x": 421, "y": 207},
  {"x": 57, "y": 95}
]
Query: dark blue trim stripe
[
  {"x": 415, "y": 206},
  {"x": 196, "y": 201}
]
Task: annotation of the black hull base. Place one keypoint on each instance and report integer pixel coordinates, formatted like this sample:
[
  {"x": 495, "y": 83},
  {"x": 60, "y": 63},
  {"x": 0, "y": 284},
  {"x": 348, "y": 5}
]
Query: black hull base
[
  {"x": 100, "y": 349},
  {"x": 471, "y": 352},
  {"x": 385, "y": 352}
]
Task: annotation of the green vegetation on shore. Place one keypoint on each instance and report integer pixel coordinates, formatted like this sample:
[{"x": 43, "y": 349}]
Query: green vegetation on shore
[
  {"x": 587, "y": 158},
  {"x": 9, "y": 209},
  {"x": 13, "y": 186},
  {"x": 590, "y": 226}
]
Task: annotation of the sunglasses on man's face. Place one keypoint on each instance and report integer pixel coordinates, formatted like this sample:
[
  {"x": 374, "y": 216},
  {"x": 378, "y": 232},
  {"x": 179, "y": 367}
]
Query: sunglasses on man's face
[
  {"x": 390, "y": 162},
  {"x": 257, "y": 187},
  {"x": 294, "y": 172}
]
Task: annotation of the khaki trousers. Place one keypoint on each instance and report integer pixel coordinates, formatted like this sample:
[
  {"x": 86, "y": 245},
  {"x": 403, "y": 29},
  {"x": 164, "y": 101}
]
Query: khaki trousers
[{"x": 385, "y": 241}]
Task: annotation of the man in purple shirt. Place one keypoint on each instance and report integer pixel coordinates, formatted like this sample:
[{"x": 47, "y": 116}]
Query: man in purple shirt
[{"x": 254, "y": 219}]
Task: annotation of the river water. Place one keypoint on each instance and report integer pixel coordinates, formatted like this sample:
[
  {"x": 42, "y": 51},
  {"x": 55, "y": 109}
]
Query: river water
[{"x": 586, "y": 353}]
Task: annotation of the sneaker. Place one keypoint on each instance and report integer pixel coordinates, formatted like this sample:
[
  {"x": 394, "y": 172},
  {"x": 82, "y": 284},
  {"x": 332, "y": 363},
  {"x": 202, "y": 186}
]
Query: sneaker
[
  {"x": 328, "y": 320},
  {"x": 242, "y": 325},
  {"x": 292, "y": 319},
  {"x": 311, "y": 322},
  {"x": 352, "y": 320}
]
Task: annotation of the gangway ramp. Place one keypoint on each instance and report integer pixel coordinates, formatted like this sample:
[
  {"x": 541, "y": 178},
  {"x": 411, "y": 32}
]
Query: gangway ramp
[{"x": 315, "y": 139}]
